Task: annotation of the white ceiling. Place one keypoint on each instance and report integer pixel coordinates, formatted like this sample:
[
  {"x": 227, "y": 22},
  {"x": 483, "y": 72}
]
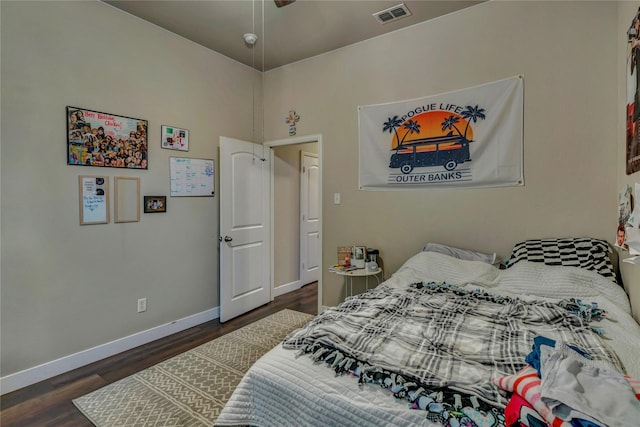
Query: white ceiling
[{"x": 291, "y": 33}]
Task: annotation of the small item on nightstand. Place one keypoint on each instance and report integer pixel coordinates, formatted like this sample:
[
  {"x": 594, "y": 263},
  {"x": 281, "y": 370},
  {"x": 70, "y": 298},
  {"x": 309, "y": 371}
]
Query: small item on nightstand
[
  {"x": 341, "y": 268},
  {"x": 371, "y": 265},
  {"x": 358, "y": 256},
  {"x": 372, "y": 254},
  {"x": 372, "y": 259},
  {"x": 347, "y": 260}
]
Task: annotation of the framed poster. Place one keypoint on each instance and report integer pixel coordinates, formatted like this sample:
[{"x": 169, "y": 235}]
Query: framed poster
[
  {"x": 104, "y": 139},
  {"x": 633, "y": 97},
  {"x": 191, "y": 177},
  {"x": 126, "y": 206},
  {"x": 174, "y": 138},
  {"x": 94, "y": 199}
]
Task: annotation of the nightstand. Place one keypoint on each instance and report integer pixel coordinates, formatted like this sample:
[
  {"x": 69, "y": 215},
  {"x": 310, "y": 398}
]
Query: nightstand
[{"x": 361, "y": 272}]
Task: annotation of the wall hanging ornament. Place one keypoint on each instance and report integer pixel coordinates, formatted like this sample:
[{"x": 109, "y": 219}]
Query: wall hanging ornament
[{"x": 291, "y": 120}]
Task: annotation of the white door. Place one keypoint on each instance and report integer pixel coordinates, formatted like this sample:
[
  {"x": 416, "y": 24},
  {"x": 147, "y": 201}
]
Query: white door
[
  {"x": 309, "y": 219},
  {"x": 245, "y": 262}
]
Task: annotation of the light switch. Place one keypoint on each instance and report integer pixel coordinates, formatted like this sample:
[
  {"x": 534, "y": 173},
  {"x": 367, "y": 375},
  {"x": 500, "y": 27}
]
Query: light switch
[{"x": 336, "y": 198}]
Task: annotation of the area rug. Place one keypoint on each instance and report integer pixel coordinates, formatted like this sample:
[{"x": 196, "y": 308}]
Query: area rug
[{"x": 192, "y": 388}]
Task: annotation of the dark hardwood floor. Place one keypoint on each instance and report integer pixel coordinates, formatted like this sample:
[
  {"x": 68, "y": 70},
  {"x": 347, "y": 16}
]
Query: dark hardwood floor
[{"x": 48, "y": 403}]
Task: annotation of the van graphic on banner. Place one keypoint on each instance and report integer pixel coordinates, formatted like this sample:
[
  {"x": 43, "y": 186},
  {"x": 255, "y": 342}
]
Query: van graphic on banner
[
  {"x": 441, "y": 141},
  {"x": 432, "y": 139}
]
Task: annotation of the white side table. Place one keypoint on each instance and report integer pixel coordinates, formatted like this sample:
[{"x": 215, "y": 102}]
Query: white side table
[{"x": 361, "y": 272}]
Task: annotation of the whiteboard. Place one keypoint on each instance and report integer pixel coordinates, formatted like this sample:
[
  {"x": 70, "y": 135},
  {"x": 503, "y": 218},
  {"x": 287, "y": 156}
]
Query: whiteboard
[
  {"x": 94, "y": 199},
  {"x": 191, "y": 177}
]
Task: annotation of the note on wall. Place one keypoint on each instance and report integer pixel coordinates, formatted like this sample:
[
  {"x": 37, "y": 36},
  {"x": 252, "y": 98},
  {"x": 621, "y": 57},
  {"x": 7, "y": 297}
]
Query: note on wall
[
  {"x": 191, "y": 177},
  {"x": 94, "y": 199}
]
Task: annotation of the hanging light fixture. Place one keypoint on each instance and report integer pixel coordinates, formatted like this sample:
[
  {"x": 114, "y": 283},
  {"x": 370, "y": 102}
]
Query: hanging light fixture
[{"x": 251, "y": 38}]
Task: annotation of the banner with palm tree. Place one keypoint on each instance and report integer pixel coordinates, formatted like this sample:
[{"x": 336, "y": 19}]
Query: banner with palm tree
[{"x": 467, "y": 138}]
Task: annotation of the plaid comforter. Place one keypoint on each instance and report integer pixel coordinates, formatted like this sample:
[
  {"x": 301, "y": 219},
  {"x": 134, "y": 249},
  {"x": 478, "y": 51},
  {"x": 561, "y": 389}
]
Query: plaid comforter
[{"x": 439, "y": 337}]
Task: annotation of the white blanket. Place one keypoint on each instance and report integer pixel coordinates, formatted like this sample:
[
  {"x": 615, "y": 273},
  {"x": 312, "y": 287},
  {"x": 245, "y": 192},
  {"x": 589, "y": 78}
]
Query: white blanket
[{"x": 280, "y": 390}]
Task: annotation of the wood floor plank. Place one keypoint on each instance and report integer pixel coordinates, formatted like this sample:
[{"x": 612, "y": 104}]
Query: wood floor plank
[
  {"x": 49, "y": 403},
  {"x": 32, "y": 410}
]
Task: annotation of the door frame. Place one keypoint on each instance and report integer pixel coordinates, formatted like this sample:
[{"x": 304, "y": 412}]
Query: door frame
[{"x": 291, "y": 141}]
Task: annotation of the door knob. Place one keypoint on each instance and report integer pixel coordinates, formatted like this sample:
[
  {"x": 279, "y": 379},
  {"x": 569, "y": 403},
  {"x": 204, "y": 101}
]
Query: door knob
[{"x": 227, "y": 239}]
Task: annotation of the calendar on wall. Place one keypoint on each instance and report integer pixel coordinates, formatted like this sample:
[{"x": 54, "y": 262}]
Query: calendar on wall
[{"x": 191, "y": 177}]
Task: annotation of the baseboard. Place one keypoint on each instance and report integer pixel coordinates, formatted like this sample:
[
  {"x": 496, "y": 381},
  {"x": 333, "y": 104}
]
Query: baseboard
[{"x": 47, "y": 370}]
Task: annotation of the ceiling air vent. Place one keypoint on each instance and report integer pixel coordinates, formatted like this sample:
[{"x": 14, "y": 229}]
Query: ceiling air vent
[{"x": 393, "y": 13}]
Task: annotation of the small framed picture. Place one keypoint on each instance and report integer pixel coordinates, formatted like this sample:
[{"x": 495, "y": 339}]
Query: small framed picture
[
  {"x": 154, "y": 204},
  {"x": 174, "y": 138},
  {"x": 359, "y": 253},
  {"x": 344, "y": 253}
]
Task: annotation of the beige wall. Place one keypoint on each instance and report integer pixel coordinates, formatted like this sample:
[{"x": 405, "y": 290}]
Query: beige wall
[
  {"x": 66, "y": 287},
  {"x": 286, "y": 211},
  {"x": 565, "y": 51}
]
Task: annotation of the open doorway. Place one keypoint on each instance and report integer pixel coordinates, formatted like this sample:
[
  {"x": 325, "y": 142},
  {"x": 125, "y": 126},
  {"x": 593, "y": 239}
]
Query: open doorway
[{"x": 296, "y": 244}]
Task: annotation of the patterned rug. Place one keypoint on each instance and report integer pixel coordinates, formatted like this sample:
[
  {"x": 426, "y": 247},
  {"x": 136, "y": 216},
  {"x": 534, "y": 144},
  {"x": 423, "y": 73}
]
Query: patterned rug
[{"x": 192, "y": 388}]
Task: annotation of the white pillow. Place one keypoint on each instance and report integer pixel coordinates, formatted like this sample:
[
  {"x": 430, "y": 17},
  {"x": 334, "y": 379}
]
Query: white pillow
[{"x": 464, "y": 254}]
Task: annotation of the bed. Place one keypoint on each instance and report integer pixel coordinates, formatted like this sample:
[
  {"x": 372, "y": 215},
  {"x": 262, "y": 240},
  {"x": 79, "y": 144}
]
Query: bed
[{"x": 447, "y": 340}]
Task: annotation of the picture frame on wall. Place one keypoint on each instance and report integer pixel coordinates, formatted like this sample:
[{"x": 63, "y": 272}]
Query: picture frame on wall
[
  {"x": 174, "y": 138},
  {"x": 155, "y": 204},
  {"x": 107, "y": 140},
  {"x": 127, "y": 199}
]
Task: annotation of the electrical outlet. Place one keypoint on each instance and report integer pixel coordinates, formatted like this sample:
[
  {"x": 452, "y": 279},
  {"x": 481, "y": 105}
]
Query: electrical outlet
[{"x": 142, "y": 305}]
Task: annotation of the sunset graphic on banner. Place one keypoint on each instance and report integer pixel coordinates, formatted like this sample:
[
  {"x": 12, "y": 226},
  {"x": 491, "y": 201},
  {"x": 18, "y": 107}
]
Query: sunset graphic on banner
[{"x": 428, "y": 125}]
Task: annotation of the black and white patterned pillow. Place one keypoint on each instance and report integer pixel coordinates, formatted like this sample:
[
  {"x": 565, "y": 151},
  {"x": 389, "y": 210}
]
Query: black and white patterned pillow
[{"x": 587, "y": 253}]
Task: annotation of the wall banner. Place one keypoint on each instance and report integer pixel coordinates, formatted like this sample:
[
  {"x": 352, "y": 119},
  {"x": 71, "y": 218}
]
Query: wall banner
[{"x": 467, "y": 138}]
